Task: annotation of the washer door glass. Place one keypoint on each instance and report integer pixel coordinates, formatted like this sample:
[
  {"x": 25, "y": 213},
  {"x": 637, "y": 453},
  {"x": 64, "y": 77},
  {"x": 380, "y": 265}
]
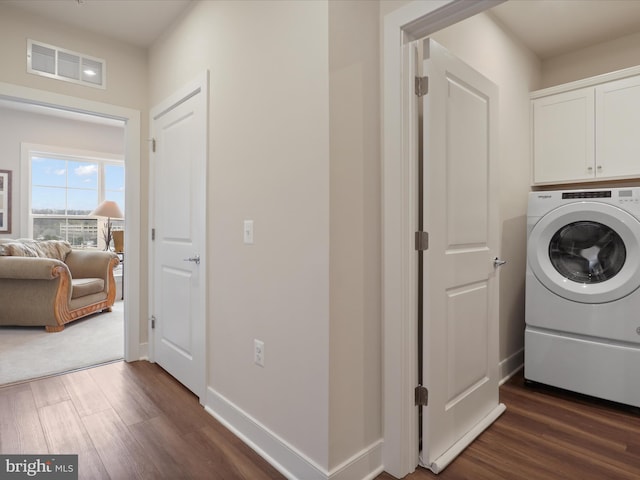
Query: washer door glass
[{"x": 587, "y": 252}]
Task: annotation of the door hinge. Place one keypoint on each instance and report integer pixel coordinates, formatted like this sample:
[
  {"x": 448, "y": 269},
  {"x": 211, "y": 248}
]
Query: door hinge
[
  {"x": 153, "y": 321},
  {"x": 153, "y": 145},
  {"x": 422, "y": 396},
  {"x": 153, "y": 234},
  {"x": 422, "y": 86},
  {"x": 422, "y": 241}
]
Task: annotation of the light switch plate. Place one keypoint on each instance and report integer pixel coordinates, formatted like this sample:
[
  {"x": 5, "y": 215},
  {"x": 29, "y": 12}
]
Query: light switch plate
[
  {"x": 258, "y": 352},
  {"x": 248, "y": 232}
]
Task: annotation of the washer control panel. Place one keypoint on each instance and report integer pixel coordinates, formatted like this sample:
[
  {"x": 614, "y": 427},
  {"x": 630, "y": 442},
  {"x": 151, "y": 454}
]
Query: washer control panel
[
  {"x": 587, "y": 194},
  {"x": 622, "y": 195},
  {"x": 543, "y": 201}
]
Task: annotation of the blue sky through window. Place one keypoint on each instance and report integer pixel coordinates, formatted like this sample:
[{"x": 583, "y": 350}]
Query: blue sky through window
[
  {"x": 114, "y": 184},
  {"x": 71, "y": 187}
]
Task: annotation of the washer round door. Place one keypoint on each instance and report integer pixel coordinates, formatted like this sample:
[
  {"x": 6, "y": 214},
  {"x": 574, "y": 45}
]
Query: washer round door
[{"x": 586, "y": 252}]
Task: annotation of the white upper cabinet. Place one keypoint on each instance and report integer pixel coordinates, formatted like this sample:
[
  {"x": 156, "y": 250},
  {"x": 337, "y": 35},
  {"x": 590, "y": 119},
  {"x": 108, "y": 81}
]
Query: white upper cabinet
[
  {"x": 618, "y": 128},
  {"x": 587, "y": 134},
  {"x": 563, "y": 137}
]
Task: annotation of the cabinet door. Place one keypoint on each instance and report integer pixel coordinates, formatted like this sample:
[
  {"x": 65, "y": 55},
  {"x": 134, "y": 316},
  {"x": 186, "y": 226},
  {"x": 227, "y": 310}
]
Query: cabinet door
[
  {"x": 618, "y": 128},
  {"x": 563, "y": 137}
]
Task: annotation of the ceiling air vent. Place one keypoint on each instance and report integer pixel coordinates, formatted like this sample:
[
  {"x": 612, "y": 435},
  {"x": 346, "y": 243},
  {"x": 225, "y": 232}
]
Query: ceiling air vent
[{"x": 61, "y": 64}]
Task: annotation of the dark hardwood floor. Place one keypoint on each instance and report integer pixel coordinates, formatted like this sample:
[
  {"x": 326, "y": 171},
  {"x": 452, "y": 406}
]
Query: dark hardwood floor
[
  {"x": 130, "y": 421},
  {"x": 550, "y": 434},
  {"x": 125, "y": 421}
]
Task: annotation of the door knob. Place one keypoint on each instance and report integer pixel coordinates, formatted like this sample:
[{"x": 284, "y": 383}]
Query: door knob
[
  {"x": 498, "y": 263},
  {"x": 195, "y": 259}
]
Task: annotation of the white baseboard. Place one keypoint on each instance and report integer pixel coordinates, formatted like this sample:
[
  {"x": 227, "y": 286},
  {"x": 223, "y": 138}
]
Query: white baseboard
[
  {"x": 143, "y": 350},
  {"x": 285, "y": 458},
  {"x": 509, "y": 366},
  {"x": 364, "y": 465}
]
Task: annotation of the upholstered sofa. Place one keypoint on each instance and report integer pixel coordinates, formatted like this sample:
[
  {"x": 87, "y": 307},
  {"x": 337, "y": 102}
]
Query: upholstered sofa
[{"x": 49, "y": 284}]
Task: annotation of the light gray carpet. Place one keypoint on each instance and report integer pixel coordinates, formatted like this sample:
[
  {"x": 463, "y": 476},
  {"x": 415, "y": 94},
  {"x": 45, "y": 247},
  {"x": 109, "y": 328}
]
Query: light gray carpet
[{"x": 30, "y": 352}]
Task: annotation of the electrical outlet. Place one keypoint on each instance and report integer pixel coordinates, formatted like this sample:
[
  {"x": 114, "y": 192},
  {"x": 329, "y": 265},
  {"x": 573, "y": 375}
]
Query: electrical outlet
[{"x": 258, "y": 352}]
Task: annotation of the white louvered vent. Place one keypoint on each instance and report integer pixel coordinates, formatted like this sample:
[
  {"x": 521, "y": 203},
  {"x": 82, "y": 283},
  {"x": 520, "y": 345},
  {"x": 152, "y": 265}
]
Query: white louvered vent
[{"x": 54, "y": 62}]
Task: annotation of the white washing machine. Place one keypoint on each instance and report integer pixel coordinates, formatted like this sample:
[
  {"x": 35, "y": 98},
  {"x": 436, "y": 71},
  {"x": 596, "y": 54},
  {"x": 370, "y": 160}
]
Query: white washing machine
[{"x": 582, "y": 297}]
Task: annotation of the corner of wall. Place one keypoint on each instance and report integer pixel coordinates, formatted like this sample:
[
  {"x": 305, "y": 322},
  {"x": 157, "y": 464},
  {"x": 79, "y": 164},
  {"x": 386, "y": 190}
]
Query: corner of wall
[{"x": 284, "y": 457}]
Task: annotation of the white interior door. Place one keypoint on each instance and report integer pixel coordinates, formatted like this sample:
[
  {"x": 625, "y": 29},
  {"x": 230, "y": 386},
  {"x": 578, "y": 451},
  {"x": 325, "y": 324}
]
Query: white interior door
[
  {"x": 178, "y": 334},
  {"x": 460, "y": 287}
]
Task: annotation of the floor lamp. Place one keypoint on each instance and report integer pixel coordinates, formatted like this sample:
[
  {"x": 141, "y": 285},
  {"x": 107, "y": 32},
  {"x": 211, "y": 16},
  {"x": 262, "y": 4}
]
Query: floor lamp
[{"x": 108, "y": 209}]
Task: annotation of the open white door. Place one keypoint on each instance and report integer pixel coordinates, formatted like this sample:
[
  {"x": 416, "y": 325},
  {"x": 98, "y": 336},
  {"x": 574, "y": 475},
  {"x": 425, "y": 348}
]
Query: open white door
[
  {"x": 179, "y": 172},
  {"x": 460, "y": 284}
]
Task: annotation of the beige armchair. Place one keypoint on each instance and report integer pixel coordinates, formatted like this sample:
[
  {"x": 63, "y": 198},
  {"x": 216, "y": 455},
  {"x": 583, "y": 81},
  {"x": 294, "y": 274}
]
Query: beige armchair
[{"x": 51, "y": 292}]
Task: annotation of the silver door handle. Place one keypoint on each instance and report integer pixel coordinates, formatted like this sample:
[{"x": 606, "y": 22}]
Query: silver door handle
[
  {"x": 498, "y": 263},
  {"x": 195, "y": 259}
]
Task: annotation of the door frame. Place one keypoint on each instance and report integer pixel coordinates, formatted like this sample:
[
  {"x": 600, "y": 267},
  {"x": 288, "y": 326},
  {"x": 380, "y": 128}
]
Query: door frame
[
  {"x": 415, "y": 20},
  {"x": 131, "y": 118}
]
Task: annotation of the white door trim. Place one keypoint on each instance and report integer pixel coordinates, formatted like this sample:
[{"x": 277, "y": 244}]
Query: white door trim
[
  {"x": 399, "y": 176},
  {"x": 131, "y": 118}
]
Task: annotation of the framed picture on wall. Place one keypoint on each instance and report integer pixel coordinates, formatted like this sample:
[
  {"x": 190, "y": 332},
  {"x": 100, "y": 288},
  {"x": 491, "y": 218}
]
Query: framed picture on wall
[{"x": 5, "y": 201}]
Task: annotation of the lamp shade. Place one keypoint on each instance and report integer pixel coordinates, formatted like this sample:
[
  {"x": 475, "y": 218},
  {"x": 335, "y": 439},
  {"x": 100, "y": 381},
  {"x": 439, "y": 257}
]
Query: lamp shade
[{"x": 109, "y": 209}]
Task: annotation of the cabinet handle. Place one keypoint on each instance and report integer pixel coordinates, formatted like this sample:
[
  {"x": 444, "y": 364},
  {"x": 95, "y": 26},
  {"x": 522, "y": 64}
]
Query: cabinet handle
[
  {"x": 599, "y": 167},
  {"x": 590, "y": 169}
]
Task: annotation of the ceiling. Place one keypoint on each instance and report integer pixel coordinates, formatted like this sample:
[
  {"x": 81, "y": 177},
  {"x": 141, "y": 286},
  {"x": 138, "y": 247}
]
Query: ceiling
[
  {"x": 555, "y": 27},
  {"x": 547, "y": 27},
  {"x": 137, "y": 22}
]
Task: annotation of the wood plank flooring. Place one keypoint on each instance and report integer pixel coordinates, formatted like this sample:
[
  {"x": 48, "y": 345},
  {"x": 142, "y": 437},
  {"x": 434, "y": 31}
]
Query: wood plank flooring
[
  {"x": 125, "y": 421},
  {"x": 550, "y": 434},
  {"x": 134, "y": 421}
]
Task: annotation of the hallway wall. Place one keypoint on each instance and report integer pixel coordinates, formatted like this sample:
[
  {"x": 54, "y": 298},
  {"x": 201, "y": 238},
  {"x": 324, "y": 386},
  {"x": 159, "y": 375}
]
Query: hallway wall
[{"x": 268, "y": 162}]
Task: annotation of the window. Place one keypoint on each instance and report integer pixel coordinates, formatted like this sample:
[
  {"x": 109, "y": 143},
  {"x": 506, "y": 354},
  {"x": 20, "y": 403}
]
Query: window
[{"x": 64, "y": 187}]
